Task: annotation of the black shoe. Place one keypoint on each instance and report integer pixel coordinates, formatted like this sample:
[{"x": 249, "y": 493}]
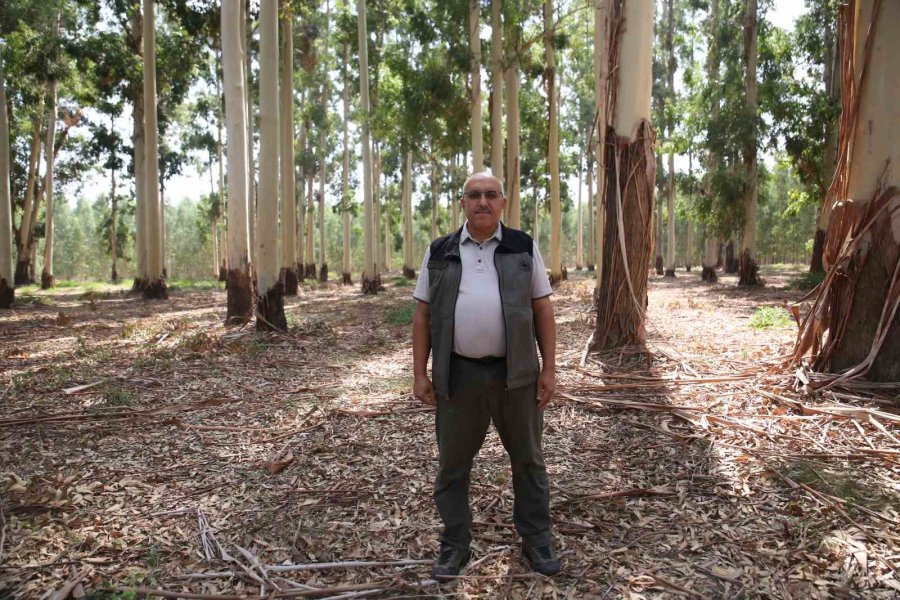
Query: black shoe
[
  {"x": 543, "y": 559},
  {"x": 450, "y": 562}
]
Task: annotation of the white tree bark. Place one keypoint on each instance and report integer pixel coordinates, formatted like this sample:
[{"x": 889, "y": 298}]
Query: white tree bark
[
  {"x": 288, "y": 272},
  {"x": 748, "y": 272},
  {"x": 601, "y": 101},
  {"x": 497, "y": 89},
  {"x": 156, "y": 285},
  {"x": 370, "y": 279},
  {"x": 323, "y": 174},
  {"x": 345, "y": 171},
  {"x": 513, "y": 158},
  {"x": 475, "y": 83},
  {"x": 556, "y": 273},
  {"x": 670, "y": 128},
  {"x": 408, "y": 258},
  {"x": 268, "y": 201},
  {"x": 47, "y": 274},
  {"x": 240, "y": 304}
]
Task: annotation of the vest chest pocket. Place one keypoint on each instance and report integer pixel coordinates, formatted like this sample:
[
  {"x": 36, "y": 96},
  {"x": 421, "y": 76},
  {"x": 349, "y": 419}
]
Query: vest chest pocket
[
  {"x": 516, "y": 272},
  {"x": 441, "y": 301}
]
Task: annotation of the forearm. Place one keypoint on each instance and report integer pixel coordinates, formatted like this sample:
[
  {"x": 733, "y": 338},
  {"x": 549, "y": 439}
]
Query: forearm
[
  {"x": 545, "y": 330},
  {"x": 421, "y": 339}
]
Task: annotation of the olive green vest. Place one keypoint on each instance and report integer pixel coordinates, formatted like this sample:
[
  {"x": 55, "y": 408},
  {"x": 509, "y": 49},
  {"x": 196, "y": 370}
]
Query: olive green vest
[{"x": 514, "y": 264}]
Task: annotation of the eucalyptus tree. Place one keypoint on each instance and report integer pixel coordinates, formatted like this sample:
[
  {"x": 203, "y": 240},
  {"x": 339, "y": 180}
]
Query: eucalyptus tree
[
  {"x": 288, "y": 274},
  {"x": 269, "y": 291},
  {"x": 496, "y": 89},
  {"x": 852, "y": 328},
  {"x": 621, "y": 299},
  {"x": 239, "y": 286},
  {"x": 749, "y": 270},
  {"x": 671, "y": 66},
  {"x": 370, "y": 279},
  {"x": 49, "y": 158},
  {"x": 512, "y": 47},
  {"x": 475, "y": 124},
  {"x": 7, "y": 281},
  {"x": 155, "y": 287},
  {"x": 557, "y": 272}
]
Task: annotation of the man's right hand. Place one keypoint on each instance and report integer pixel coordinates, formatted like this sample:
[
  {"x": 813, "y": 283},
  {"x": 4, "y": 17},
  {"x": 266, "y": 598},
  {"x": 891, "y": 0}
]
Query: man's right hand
[{"x": 423, "y": 390}]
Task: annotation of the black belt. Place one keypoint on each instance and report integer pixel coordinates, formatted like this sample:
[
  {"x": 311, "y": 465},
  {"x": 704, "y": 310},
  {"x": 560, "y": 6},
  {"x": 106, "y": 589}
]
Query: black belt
[{"x": 484, "y": 360}]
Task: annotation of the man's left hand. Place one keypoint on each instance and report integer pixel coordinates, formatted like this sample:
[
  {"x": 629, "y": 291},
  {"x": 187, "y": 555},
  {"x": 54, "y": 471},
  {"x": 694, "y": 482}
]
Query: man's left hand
[{"x": 545, "y": 388}]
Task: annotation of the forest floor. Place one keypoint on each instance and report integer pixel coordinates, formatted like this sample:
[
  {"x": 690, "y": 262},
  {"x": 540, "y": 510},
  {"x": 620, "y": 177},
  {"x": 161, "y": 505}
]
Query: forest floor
[{"x": 143, "y": 445}]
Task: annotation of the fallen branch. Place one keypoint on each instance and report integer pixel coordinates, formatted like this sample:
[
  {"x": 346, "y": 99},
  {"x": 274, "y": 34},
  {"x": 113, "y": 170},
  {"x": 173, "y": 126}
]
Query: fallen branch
[
  {"x": 654, "y": 491},
  {"x": 350, "y": 564}
]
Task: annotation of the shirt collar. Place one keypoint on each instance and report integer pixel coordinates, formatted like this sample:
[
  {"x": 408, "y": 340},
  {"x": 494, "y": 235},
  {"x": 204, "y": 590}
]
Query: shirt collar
[{"x": 498, "y": 234}]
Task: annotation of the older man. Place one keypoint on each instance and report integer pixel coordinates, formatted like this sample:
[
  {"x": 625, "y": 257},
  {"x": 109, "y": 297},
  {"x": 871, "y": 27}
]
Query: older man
[{"x": 483, "y": 299}]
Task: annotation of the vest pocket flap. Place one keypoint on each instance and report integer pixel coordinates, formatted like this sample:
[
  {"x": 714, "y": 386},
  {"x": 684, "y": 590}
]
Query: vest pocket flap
[{"x": 437, "y": 264}]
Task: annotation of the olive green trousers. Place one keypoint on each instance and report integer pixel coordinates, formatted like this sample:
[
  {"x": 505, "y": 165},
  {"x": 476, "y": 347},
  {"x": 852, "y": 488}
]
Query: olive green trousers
[{"x": 478, "y": 395}]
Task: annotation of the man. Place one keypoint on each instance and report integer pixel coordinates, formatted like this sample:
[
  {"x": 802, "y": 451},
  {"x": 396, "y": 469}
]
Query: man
[{"x": 483, "y": 299}]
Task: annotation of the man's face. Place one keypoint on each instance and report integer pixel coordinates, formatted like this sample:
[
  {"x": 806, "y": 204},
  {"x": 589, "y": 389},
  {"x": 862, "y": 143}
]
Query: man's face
[{"x": 483, "y": 203}]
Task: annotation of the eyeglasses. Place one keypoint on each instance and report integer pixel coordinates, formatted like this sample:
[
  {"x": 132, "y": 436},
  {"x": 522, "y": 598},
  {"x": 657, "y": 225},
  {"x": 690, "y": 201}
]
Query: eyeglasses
[{"x": 477, "y": 194}]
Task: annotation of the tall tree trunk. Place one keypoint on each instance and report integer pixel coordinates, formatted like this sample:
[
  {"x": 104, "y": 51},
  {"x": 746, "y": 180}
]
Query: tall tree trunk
[
  {"x": 378, "y": 242},
  {"x": 853, "y": 329},
  {"x": 270, "y": 291},
  {"x": 220, "y": 101},
  {"x": 239, "y": 281},
  {"x": 113, "y": 223},
  {"x": 670, "y": 132},
  {"x": 140, "y": 177},
  {"x": 712, "y": 254},
  {"x": 459, "y": 166},
  {"x": 26, "y": 227},
  {"x": 156, "y": 283},
  {"x": 749, "y": 270},
  {"x": 689, "y": 246},
  {"x": 513, "y": 152},
  {"x": 497, "y": 88},
  {"x": 474, "y": 25},
  {"x": 710, "y": 259},
  {"x": 310, "y": 235},
  {"x": 621, "y": 299},
  {"x": 409, "y": 270},
  {"x": 303, "y": 199},
  {"x": 47, "y": 273},
  {"x": 7, "y": 274},
  {"x": 579, "y": 225},
  {"x": 536, "y": 219},
  {"x": 435, "y": 187},
  {"x": 556, "y": 269},
  {"x": 323, "y": 255},
  {"x": 833, "y": 89},
  {"x": 288, "y": 274},
  {"x": 592, "y": 231},
  {"x": 246, "y": 38},
  {"x": 371, "y": 280},
  {"x": 345, "y": 171},
  {"x": 603, "y": 40},
  {"x": 659, "y": 263}
]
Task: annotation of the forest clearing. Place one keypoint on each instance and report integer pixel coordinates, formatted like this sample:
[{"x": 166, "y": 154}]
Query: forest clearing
[
  {"x": 147, "y": 446},
  {"x": 214, "y": 379}
]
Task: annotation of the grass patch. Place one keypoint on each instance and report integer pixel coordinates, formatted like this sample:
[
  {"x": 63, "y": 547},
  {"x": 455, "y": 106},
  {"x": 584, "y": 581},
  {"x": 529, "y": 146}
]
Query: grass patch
[
  {"x": 401, "y": 282},
  {"x": 402, "y": 315},
  {"x": 846, "y": 486},
  {"x": 770, "y": 317},
  {"x": 806, "y": 281},
  {"x": 33, "y": 299}
]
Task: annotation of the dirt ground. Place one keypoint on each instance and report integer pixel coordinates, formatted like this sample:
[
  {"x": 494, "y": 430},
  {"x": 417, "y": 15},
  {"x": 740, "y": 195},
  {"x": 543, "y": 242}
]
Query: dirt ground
[{"x": 145, "y": 447}]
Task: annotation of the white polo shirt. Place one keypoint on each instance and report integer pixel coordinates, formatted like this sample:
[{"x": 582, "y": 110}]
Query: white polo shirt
[{"x": 478, "y": 329}]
